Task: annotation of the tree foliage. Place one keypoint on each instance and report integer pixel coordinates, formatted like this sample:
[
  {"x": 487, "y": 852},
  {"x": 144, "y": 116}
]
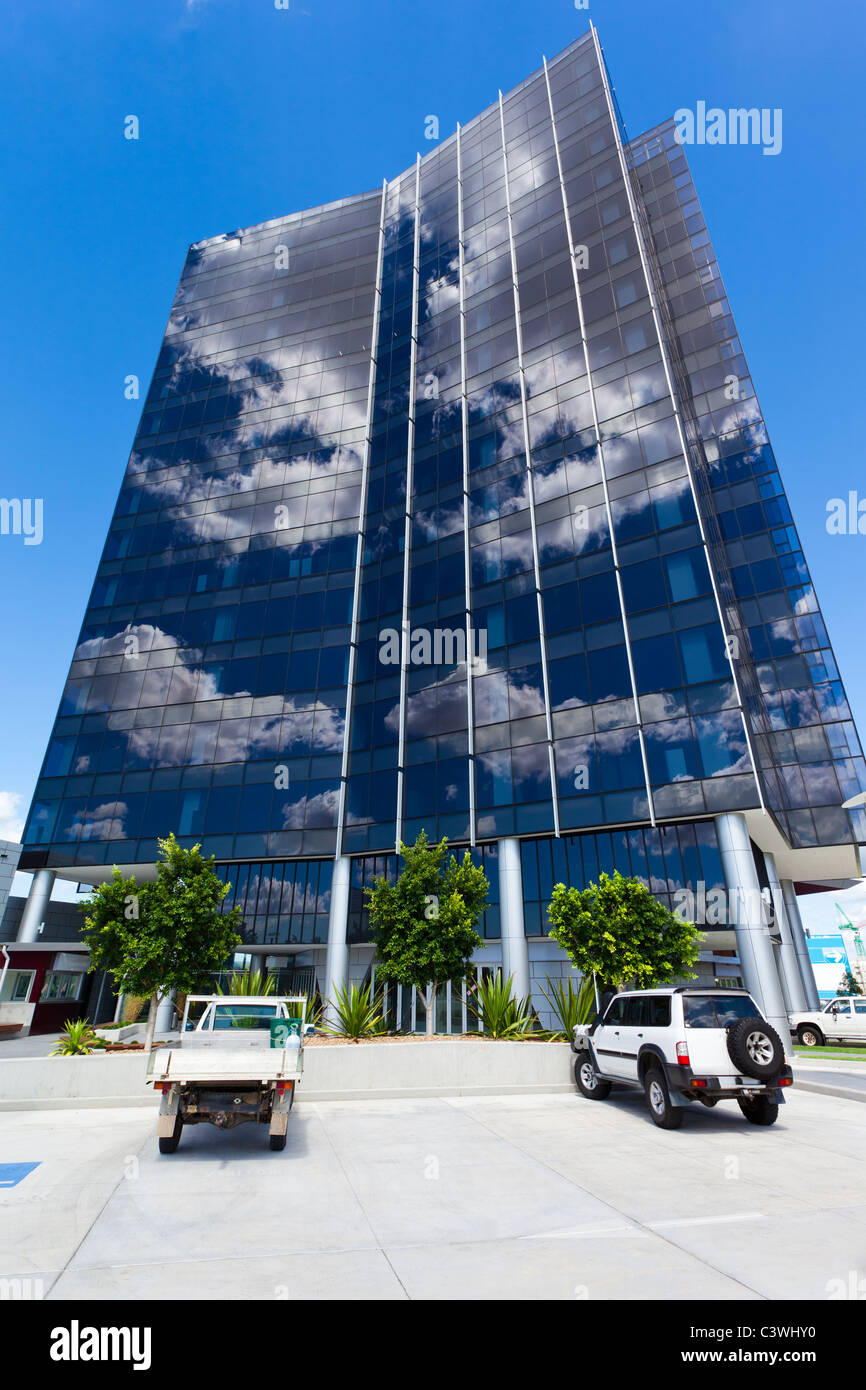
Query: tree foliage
[
  {"x": 423, "y": 925},
  {"x": 169, "y": 934},
  {"x": 618, "y": 930}
]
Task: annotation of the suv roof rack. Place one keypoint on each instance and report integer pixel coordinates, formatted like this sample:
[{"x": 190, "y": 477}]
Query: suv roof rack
[{"x": 710, "y": 989}]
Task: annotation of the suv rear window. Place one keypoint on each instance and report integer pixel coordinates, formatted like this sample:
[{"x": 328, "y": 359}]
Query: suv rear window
[
  {"x": 648, "y": 1010},
  {"x": 716, "y": 1010},
  {"x": 658, "y": 1010}
]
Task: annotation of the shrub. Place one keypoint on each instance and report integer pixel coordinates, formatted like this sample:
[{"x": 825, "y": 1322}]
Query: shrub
[{"x": 132, "y": 1007}]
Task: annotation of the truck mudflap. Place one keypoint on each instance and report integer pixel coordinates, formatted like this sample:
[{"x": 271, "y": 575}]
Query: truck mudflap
[
  {"x": 168, "y": 1113},
  {"x": 284, "y": 1096}
]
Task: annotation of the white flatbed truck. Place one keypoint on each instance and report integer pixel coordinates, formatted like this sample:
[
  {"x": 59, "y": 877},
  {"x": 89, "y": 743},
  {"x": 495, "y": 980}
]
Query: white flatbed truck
[{"x": 239, "y": 1064}]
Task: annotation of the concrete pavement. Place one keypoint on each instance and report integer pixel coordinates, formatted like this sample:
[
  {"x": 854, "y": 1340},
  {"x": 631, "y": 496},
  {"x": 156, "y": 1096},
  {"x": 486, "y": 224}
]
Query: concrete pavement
[{"x": 468, "y": 1197}]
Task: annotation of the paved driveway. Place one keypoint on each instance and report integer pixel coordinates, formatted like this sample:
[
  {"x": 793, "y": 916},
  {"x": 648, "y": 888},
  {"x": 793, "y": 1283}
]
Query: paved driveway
[{"x": 500, "y": 1197}]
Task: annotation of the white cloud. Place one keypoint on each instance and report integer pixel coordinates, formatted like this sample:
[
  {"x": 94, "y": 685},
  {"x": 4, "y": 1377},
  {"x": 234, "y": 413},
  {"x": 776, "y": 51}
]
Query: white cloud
[{"x": 11, "y": 816}]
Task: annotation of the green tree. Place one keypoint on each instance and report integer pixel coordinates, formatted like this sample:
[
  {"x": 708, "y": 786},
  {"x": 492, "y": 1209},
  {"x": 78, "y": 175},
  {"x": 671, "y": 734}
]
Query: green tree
[
  {"x": 618, "y": 930},
  {"x": 165, "y": 935},
  {"x": 424, "y": 924},
  {"x": 849, "y": 984}
]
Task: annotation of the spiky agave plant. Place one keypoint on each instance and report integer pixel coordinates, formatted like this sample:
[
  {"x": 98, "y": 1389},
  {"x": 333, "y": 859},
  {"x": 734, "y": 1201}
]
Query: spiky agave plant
[
  {"x": 499, "y": 1013},
  {"x": 309, "y": 1011},
  {"x": 570, "y": 1006},
  {"x": 357, "y": 1013},
  {"x": 76, "y": 1040},
  {"x": 247, "y": 982}
]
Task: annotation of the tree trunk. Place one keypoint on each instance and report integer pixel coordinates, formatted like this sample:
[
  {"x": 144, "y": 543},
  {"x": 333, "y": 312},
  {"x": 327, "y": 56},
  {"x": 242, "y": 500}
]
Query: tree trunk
[
  {"x": 431, "y": 1012},
  {"x": 151, "y": 1021}
]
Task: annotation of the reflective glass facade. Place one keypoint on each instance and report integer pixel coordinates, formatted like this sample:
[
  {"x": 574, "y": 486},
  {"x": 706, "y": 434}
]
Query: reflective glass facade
[{"x": 441, "y": 514}]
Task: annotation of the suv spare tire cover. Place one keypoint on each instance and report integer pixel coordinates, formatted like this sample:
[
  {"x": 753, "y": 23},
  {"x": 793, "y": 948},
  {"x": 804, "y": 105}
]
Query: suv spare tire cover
[{"x": 738, "y": 1036}]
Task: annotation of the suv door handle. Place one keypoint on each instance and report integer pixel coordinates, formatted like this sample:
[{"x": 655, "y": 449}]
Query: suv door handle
[{"x": 640, "y": 1035}]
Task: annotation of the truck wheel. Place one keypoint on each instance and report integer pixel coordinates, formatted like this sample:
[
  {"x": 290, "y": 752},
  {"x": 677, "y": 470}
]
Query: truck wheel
[
  {"x": 278, "y": 1142},
  {"x": 168, "y": 1143},
  {"x": 755, "y": 1048},
  {"x": 810, "y": 1036},
  {"x": 759, "y": 1111},
  {"x": 665, "y": 1114},
  {"x": 588, "y": 1083}
]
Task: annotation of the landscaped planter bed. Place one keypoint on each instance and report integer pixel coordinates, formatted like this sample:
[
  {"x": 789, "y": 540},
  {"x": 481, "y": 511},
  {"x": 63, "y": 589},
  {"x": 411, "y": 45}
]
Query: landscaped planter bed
[{"x": 334, "y": 1069}]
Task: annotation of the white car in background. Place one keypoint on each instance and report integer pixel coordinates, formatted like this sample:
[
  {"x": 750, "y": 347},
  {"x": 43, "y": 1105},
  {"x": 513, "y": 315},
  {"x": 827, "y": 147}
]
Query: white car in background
[{"x": 841, "y": 1020}]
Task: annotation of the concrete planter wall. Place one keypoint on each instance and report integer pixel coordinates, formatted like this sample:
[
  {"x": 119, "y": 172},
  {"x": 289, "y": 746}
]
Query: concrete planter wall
[
  {"x": 130, "y": 1032},
  {"x": 441, "y": 1067},
  {"x": 16, "y": 1016},
  {"x": 64, "y": 1083}
]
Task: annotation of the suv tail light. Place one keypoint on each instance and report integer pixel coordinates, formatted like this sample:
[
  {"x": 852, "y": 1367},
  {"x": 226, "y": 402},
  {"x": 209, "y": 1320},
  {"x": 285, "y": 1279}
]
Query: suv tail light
[{"x": 683, "y": 1054}]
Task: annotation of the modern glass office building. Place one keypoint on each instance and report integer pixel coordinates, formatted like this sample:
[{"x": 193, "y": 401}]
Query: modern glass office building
[{"x": 452, "y": 507}]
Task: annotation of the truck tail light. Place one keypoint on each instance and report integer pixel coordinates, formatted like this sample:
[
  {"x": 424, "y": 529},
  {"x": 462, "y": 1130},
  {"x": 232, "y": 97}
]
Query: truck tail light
[
  {"x": 699, "y": 1081},
  {"x": 683, "y": 1054},
  {"x": 162, "y": 1086},
  {"x": 786, "y": 1081},
  {"x": 283, "y": 1086}
]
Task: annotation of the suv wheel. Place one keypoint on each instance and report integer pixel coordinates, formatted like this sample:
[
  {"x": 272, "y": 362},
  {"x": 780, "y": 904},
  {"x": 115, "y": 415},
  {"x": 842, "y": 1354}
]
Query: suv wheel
[
  {"x": 658, "y": 1098},
  {"x": 759, "y": 1111},
  {"x": 810, "y": 1036},
  {"x": 755, "y": 1048},
  {"x": 589, "y": 1083}
]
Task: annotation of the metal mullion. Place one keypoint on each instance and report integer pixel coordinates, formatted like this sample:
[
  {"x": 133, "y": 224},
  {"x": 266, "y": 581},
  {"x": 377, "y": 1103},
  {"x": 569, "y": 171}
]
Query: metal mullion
[
  {"x": 467, "y": 561},
  {"x": 362, "y": 519},
  {"x": 407, "y": 524},
  {"x": 654, "y": 307},
  {"x": 554, "y": 796},
  {"x": 595, "y": 424}
]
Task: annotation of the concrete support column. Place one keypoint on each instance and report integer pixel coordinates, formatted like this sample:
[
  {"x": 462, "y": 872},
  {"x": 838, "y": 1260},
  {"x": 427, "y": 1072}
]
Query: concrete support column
[
  {"x": 515, "y": 952},
  {"x": 36, "y": 906},
  {"x": 792, "y": 979},
  {"x": 745, "y": 913},
  {"x": 164, "y": 1013},
  {"x": 337, "y": 958},
  {"x": 798, "y": 937}
]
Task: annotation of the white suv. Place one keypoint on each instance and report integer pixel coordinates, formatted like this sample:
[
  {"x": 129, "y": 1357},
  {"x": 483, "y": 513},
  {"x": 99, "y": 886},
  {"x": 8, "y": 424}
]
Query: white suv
[{"x": 682, "y": 1046}]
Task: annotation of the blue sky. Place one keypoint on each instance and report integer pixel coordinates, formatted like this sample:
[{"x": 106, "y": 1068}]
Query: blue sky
[{"x": 248, "y": 112}]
